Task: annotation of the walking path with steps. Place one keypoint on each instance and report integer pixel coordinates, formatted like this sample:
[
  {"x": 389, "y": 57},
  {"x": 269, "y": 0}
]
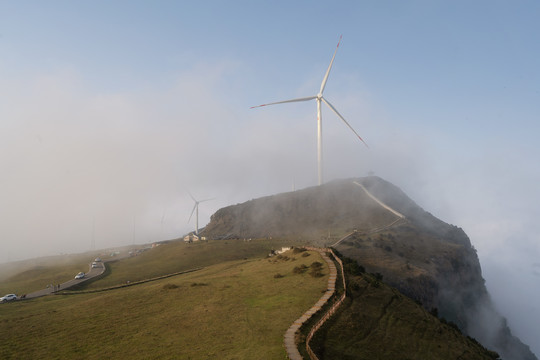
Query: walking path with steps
[
  {"x": 400, "y": 217},
  {"x": 290, "y": 334},
  {"x": 398, "y": 214}
]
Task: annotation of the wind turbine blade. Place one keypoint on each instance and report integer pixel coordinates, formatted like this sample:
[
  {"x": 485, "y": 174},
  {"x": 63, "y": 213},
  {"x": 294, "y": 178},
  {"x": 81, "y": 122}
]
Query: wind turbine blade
[
  {"x": 323, "y": 84},
  {"x": 191, "y": 195},
  {"x": 286, "y": 101},
  {"x": 342, "y": 118},
  {"x": 192, "y": 211}
]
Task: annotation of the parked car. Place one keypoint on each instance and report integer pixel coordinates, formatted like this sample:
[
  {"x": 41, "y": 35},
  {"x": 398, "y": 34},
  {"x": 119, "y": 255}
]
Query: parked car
[
  {"x": 8, "y": 297},
  {"x": 95, "y": 265},
  {"x": 97, "y": 260},
  {"x": 79, "y": 275}
]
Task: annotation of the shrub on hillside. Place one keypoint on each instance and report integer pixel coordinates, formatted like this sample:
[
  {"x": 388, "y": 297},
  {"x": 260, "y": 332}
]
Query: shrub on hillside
[
  {"x": 170, "y": 286},
  {"x": 316, "y": 269},
  {"x": 352, "y": 267},
  {"x": 298, "y": 250},
  {"x": 316, "y": 273},
  {"x": 278, "y": 275},
  {"x": 300, "y": 269}
]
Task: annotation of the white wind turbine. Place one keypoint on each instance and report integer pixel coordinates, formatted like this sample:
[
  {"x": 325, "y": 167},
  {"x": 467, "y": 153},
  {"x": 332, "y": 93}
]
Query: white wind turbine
[
  {"x": 196, "y": 208},
  {"x": 319, "y": 97}
]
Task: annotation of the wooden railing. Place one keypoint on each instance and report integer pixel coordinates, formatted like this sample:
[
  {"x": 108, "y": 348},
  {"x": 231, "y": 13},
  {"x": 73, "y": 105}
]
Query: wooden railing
[{"x": 330, "y": 312}]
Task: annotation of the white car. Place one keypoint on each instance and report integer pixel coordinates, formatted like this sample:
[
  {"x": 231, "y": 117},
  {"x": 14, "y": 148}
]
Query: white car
[
  {"x": 79, "y": 275},
  {"x": 8, "y": 297}
]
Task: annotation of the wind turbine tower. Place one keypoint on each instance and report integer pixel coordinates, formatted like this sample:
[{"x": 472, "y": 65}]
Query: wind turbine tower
[
  {"x": 196, "y": 210},
  {"x": 319, "y": 97}
]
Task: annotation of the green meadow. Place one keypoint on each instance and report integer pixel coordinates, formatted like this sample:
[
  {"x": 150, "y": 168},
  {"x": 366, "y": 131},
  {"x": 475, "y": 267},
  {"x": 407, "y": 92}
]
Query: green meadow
[{"x": 236, "y": 309}]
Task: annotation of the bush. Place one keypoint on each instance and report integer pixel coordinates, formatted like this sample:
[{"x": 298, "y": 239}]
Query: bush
[
  {"x": 170, "y": 286},
  {"x": 353, "y": 268},
  {"x": 306, "y": 254},
  {"x": 300, "y": 269},
  {"x": 278, "y": 275},
  {"x": 316, "y": 273}
]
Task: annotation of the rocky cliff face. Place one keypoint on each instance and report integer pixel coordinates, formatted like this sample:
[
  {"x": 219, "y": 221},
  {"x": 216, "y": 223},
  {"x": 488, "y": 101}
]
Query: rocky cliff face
[
  {"x": 455, "y": 280},
  {"x": 425, "y": 258}
]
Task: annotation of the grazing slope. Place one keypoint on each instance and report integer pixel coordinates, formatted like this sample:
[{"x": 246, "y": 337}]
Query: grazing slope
[
  {"x": 423, "y": 257},
  {"x": 378, "y": 322},
  {"x": 233, "y": 310}
]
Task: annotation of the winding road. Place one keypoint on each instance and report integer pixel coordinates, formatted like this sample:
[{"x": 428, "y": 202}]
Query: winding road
[{"x": 92, "y": 273}]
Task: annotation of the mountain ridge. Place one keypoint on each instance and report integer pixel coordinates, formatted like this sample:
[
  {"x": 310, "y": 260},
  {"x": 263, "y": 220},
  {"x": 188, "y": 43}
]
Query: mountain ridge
[{"x": 425, "y": 258}]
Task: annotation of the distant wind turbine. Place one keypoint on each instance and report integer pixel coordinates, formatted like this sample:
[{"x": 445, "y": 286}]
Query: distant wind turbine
[
  {"x": 196, "y": 208},
  {"x": 319, "y": 97}
]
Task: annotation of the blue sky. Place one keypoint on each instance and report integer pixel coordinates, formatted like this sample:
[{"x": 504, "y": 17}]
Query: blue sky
[{"x": 110, "y": 110}]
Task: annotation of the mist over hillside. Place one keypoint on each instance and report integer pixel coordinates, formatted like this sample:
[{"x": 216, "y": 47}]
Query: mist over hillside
[{"x": 425, "y": 258}]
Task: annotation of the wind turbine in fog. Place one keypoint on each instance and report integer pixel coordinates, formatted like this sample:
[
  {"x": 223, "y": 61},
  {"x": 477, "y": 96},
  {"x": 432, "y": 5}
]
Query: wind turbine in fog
[
  {"x": 319, "y": 97},
  {"x": 196, "y": 208}
]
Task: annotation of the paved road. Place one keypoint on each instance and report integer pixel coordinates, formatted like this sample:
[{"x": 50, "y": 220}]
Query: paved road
[{"x": 93, "y": 272}]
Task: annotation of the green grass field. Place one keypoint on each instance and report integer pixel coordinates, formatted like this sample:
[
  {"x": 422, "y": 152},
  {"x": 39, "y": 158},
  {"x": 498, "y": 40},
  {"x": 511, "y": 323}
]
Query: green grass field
[
  {"x": 31, "y": 275},
  {"x": 177, "y": 256},
  {"x": 232, "y": 310}
]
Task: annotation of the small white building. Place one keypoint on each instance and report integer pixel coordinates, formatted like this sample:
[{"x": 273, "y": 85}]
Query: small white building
[
  {"x": 278, "y": 252},
  {"x": 283, "y": 249}
]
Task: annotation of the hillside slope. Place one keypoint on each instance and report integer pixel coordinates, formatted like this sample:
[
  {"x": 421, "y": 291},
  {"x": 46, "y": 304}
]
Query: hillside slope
[
  {"x": 231, "y": 310},
  {"x": 309, "y": 214},
  {"x": 425, "y": 258},
  {"x": 378, "y": 322}
]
